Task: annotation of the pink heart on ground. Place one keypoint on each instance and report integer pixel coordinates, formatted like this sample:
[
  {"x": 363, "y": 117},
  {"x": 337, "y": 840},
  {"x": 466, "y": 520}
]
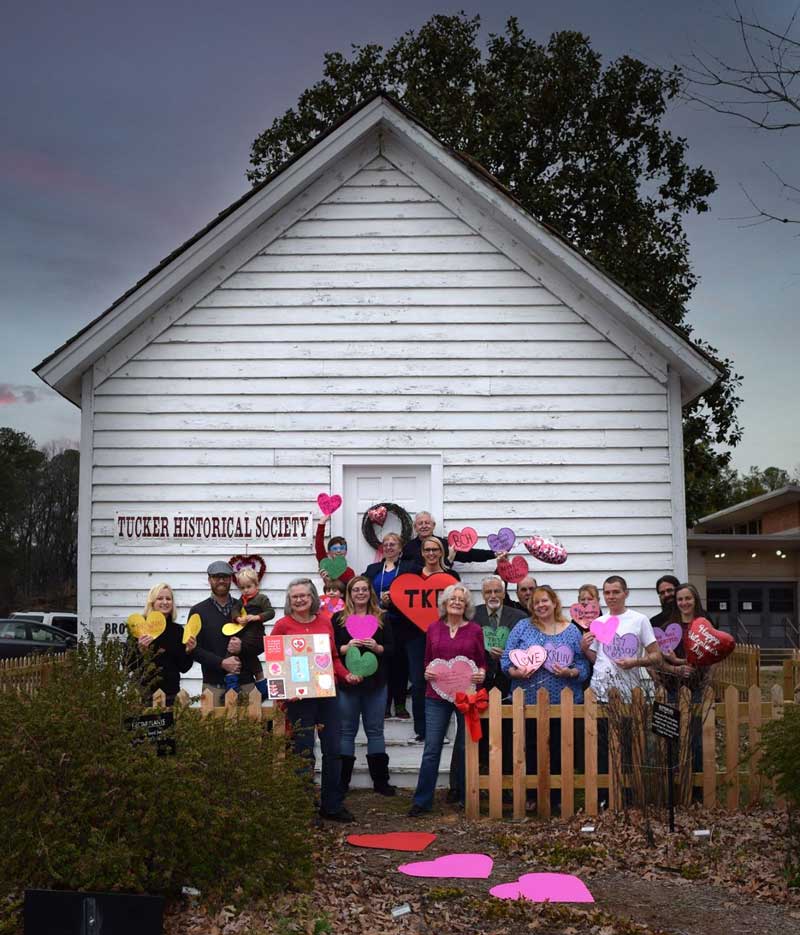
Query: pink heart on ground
[
  {"x": 362, "y": 626},
  {"x": 462, "y": 866},
  {"x": 545, "y": 888},
  {"x": 329, "y": 504},
  {"x": 532, "y": 656},
  {"x": 670, "y": 638},
  {"x": 451, "y": 676},
  {"x": 604, "y": 630}
]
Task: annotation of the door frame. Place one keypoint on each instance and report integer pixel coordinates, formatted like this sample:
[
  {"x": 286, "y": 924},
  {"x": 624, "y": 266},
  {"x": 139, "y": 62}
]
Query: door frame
[{"x": 430, "y": 459}]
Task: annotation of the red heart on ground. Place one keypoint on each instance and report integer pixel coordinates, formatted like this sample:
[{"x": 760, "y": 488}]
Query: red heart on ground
[
  {"x": 706, "y": 645},
  {"x": 513, "y": 571},
  {"x": 451, "y": 676},
  {"x": 463, "y": 540},
  {"x": 416, "y": 597},
  {"x": 394, "y": 840},
  {"x": 329, "y": 504}
]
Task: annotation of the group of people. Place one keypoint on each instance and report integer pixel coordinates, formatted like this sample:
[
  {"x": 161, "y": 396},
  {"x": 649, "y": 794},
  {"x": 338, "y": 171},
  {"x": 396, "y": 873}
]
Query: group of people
[{"x": 486, "y": 635}]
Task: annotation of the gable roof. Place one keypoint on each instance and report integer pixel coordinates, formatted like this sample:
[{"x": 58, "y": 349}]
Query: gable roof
[
  {"x": 750, "y": 509},
  {"x": 63, "y": 368}
]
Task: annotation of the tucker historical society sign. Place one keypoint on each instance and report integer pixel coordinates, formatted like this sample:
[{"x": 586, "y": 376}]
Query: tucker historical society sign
[{"x": 153, "y": 527}]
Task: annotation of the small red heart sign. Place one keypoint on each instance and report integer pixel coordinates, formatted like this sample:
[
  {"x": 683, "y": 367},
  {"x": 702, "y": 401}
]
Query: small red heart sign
[
  {"x": 513, "y": 571},
  {"x": 584, "y": 614},
  {"x": 329, "y": 504},
  {"x": 705, "y": 645},
  {"x": 416, "y": 597},
  {"x": 463, "y": 540}
]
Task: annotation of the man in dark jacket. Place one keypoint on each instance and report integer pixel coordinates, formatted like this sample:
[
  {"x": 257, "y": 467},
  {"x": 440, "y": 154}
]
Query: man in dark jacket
[
  {"x": 218, "y": 654},
  {"x": 424, "y": 524}
]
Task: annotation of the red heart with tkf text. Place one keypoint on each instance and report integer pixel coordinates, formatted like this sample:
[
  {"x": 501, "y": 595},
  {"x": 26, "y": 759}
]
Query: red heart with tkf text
[
  {"x": 416, "y": 597},
  {"x": 513, "y": 571}
]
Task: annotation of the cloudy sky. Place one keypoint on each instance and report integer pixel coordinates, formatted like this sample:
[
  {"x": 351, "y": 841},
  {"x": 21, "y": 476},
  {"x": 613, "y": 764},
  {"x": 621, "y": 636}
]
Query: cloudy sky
[{"x": 126, "y": 127}]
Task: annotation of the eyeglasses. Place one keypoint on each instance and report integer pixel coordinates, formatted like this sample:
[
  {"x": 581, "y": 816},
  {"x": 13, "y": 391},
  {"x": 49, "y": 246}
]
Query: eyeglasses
[
  {"x": 338, "y": 548},
  {"x": 437, "y": 551},
  {"x": 220, "y": 577}
]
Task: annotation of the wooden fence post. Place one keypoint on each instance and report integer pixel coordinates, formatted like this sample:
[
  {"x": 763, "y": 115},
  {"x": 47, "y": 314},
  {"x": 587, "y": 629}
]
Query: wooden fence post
[
  {"x": 754, "y": 740},
  {"x": 709, "y": 748},
  {"x": 472, "y": 806},
  {"x": 590, "y": 752},
  {"x": 732, "y": 747},
  {"x": 685, "y": 760},
  {"x": 615, "y": 773},
  {"x": 495, "y": 754},
  {"x": 543, "y": 753},
  {"x": 519, "y": 782},
  {"x": 567, "y": 753},
  {"x": 638, "y": 721}
]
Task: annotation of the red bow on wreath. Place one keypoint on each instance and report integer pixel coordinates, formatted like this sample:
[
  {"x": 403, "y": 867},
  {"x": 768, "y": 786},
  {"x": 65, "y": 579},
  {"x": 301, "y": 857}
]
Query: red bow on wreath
[{"x": 471, "y": 706}]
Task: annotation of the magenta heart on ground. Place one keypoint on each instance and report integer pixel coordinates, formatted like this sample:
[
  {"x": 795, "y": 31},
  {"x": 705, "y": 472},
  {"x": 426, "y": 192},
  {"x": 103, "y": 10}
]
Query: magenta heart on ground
[
  {"x": 501, "y": 541},
  {"x": 559, "y": 656},
  {"x": 452, "y": 676},
  {"x": 545, "y": 887},
  {"x": 461, "y": 866},
  {"x": 329, "y": 504},
  {"x": 623, "y": 647},
  {"x": 532, "y": 656},
  {"x": 362, "y": 626},
  {"x": 604, "y": 630},
  {"x": 670, "y": 638}
]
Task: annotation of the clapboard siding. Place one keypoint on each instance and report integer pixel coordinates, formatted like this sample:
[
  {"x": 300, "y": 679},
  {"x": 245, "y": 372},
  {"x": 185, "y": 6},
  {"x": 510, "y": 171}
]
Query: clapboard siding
[{"x": 383, "y": 321}]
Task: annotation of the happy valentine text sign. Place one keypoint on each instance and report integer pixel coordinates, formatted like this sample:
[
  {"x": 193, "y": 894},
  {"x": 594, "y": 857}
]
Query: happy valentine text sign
[{"x": 138, "y": 527}]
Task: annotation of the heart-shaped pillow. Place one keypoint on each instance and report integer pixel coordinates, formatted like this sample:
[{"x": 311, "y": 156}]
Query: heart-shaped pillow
[
  {"x": 513, "y": 571},
  {"x": 193, "y": 626},
  {"x": 495, "y": 637},
  {"x": 329, "y": 504},
  {"x": 333, "y": 567},
  {"x": 451, "y": 676},
  {"x": 706, "y": 645},
  {"x": 363, "y": 664},
  {"x": 362, "y": 626},
  {"x": 533, "y": 656},
  {"x": 670, "y": 638}
]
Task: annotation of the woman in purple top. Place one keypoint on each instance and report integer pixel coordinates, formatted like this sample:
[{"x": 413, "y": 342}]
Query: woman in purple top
[{"x": 452, "y": 635}]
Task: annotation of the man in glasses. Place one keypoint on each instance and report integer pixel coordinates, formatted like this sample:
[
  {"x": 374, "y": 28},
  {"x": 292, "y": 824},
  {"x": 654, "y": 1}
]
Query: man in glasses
[
  {"x": 221, "y": 655},
  {"x": 336, "y": 548},
  {"x": 424, "y": 524},
  {"x": 666, "y": 588}
]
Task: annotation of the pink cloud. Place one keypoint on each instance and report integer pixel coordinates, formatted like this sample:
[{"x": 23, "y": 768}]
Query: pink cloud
[{"x": 10, "y": 394}]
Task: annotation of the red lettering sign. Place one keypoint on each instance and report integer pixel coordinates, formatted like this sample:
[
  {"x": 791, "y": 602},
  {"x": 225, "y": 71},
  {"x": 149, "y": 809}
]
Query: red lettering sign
[{"x": 416, "y": 597}]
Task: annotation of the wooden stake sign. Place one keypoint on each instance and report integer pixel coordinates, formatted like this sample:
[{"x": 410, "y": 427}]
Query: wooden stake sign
[{"x": 416, "y": 597}]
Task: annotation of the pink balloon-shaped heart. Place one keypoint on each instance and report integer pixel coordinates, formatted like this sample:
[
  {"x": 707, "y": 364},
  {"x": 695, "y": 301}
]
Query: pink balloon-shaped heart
[
  {"x": 545, "y": 887},
  {"x": 451, "y": 676},
  {"x": 559, "y": 656},
  {"x": 329, "y": 504},
  {"x": 462, "y": 866},
  {"x": 604, "y": 630},
  {"x": 534, "y": 656},
  {"x": 670, "y": 638},
  {"x": 362, "y": 626}
]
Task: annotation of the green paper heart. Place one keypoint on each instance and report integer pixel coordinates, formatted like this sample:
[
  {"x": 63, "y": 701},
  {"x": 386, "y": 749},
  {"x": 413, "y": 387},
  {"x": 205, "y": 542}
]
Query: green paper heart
[
  {"x": 333, "y": 567},
  {"x": 363, "y": 664},
  {"x": 495, "y": 637}
]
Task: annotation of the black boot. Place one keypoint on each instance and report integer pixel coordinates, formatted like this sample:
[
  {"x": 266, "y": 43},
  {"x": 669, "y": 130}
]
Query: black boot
[
  {"x": 379, "y": 773},
  {"x": 348, "y": 762}
]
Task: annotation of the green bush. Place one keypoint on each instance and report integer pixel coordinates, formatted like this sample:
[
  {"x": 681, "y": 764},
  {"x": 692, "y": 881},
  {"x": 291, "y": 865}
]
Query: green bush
[
  {"x": 780, "y": 753},
  {"x": 83, "y": 808}
]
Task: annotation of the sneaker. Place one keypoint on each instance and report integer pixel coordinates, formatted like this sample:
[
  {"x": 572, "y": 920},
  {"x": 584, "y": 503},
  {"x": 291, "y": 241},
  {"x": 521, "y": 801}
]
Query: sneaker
[
  {"x": 401, "y": 712},
  {"x": 343, "y": 815},
  {"x": 416, "y": 810}
]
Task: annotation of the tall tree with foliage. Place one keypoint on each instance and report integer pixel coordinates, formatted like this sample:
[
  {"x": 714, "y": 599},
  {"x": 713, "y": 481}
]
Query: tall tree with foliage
[{"x": 580, "y": 145}]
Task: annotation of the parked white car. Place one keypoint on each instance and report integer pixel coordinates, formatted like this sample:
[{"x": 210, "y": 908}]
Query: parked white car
[{"x": 63, "y": 620}]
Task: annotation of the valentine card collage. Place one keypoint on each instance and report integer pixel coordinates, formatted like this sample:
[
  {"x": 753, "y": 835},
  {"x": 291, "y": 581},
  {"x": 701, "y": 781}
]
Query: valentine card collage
[{"x": 299, "y": 667}]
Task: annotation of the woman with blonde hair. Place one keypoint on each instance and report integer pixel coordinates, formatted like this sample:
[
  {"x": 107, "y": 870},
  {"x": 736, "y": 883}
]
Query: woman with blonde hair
[
  {"x": 362, "y": 697},
  {"x": 160, "y": 661}
]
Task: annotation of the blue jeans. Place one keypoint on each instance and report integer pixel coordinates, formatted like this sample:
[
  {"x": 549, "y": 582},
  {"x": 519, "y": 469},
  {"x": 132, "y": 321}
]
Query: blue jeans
[
  {"x": 322, "y": 715},
  {"x": 437, "y": 719},
  {"x": 370, "y": 706},
  {"x": 415, "y": 649}
]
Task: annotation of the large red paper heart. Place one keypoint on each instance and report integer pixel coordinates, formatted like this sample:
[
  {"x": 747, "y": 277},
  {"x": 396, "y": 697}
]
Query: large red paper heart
[
  {"x": 329, "y": 504},
  {"x": 416, "y": 597},
  {"x": 545, "y": 888},
  {"x": 463, "y": 540},
  {"x": 451, "y": 676},
  {"x": 394, "y": 840},
  {"x": 604, "y": 630},
  {"x": 460, "y": 866},
  {"x": 534, "y": 656},
  {"x": 378, "y": 515},
  {"x": 705, "y": 645},
  {"x": 583, "y": 614},
  {"x": 513, "y": 571}
]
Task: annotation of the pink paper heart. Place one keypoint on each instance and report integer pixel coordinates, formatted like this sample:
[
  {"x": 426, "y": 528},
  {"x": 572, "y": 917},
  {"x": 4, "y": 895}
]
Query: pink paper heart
[
  {"x": 329, "y": 504},
  {"x": 361, "y": 626},
  {"x": 604, "y": 630},
  {"x": 532, "y": 656},
  {"x": 462, "y": 866},
  {"x": 545, "y": 887},
  {"x": 670, "y": 638},
  {"x": 451, "y": 676},
  {"x": 559, "y": 656},
  {"x": 322, "y": 660},
  {"x": 463, "y": 539},
  {"x": 623, "y": 647},
  {"x": 583, "y": 614}
]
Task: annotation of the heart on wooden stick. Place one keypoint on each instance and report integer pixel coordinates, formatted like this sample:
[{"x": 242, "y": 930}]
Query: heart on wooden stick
[
  {"x": 706, "y": 645},
  {"x": 416, "y": 597},
  {"x": 534, "y": 657},
  {"x": 462, "y": 540},
  {"x": 512, "y": 571},
  {"x": 451, "y": 676}
]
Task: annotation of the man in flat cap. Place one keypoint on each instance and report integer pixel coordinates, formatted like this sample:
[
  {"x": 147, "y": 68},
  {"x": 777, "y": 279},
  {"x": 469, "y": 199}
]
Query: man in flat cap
[{"x": 221, "y": 655}]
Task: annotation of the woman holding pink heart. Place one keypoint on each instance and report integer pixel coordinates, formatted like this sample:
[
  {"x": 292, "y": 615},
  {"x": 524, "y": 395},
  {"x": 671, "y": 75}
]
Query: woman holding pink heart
[
  {"x": 364, "y": 640},
  {"x": 452, "y": 641}
]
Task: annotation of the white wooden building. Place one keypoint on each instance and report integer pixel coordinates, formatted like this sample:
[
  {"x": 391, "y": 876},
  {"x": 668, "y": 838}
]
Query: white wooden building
[{"x": 381, "y": 320}]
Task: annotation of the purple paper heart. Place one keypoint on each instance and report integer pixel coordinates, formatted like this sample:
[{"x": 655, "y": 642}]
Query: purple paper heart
[
  {"x": 670, "y": 638},
  {"x": 361, "y": 626},
  {"x": 502, "y": 541},
  {"x": 558, "y": 656},
  {"x": 623, "y": 647}
]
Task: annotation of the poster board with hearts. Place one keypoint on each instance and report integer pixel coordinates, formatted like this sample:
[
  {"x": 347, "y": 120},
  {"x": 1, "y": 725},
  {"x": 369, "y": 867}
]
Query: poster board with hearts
[{"x": 299, "y": 666}]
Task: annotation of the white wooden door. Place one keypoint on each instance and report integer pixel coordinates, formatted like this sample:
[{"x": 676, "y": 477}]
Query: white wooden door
[{"x": 408, "y": 485}]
